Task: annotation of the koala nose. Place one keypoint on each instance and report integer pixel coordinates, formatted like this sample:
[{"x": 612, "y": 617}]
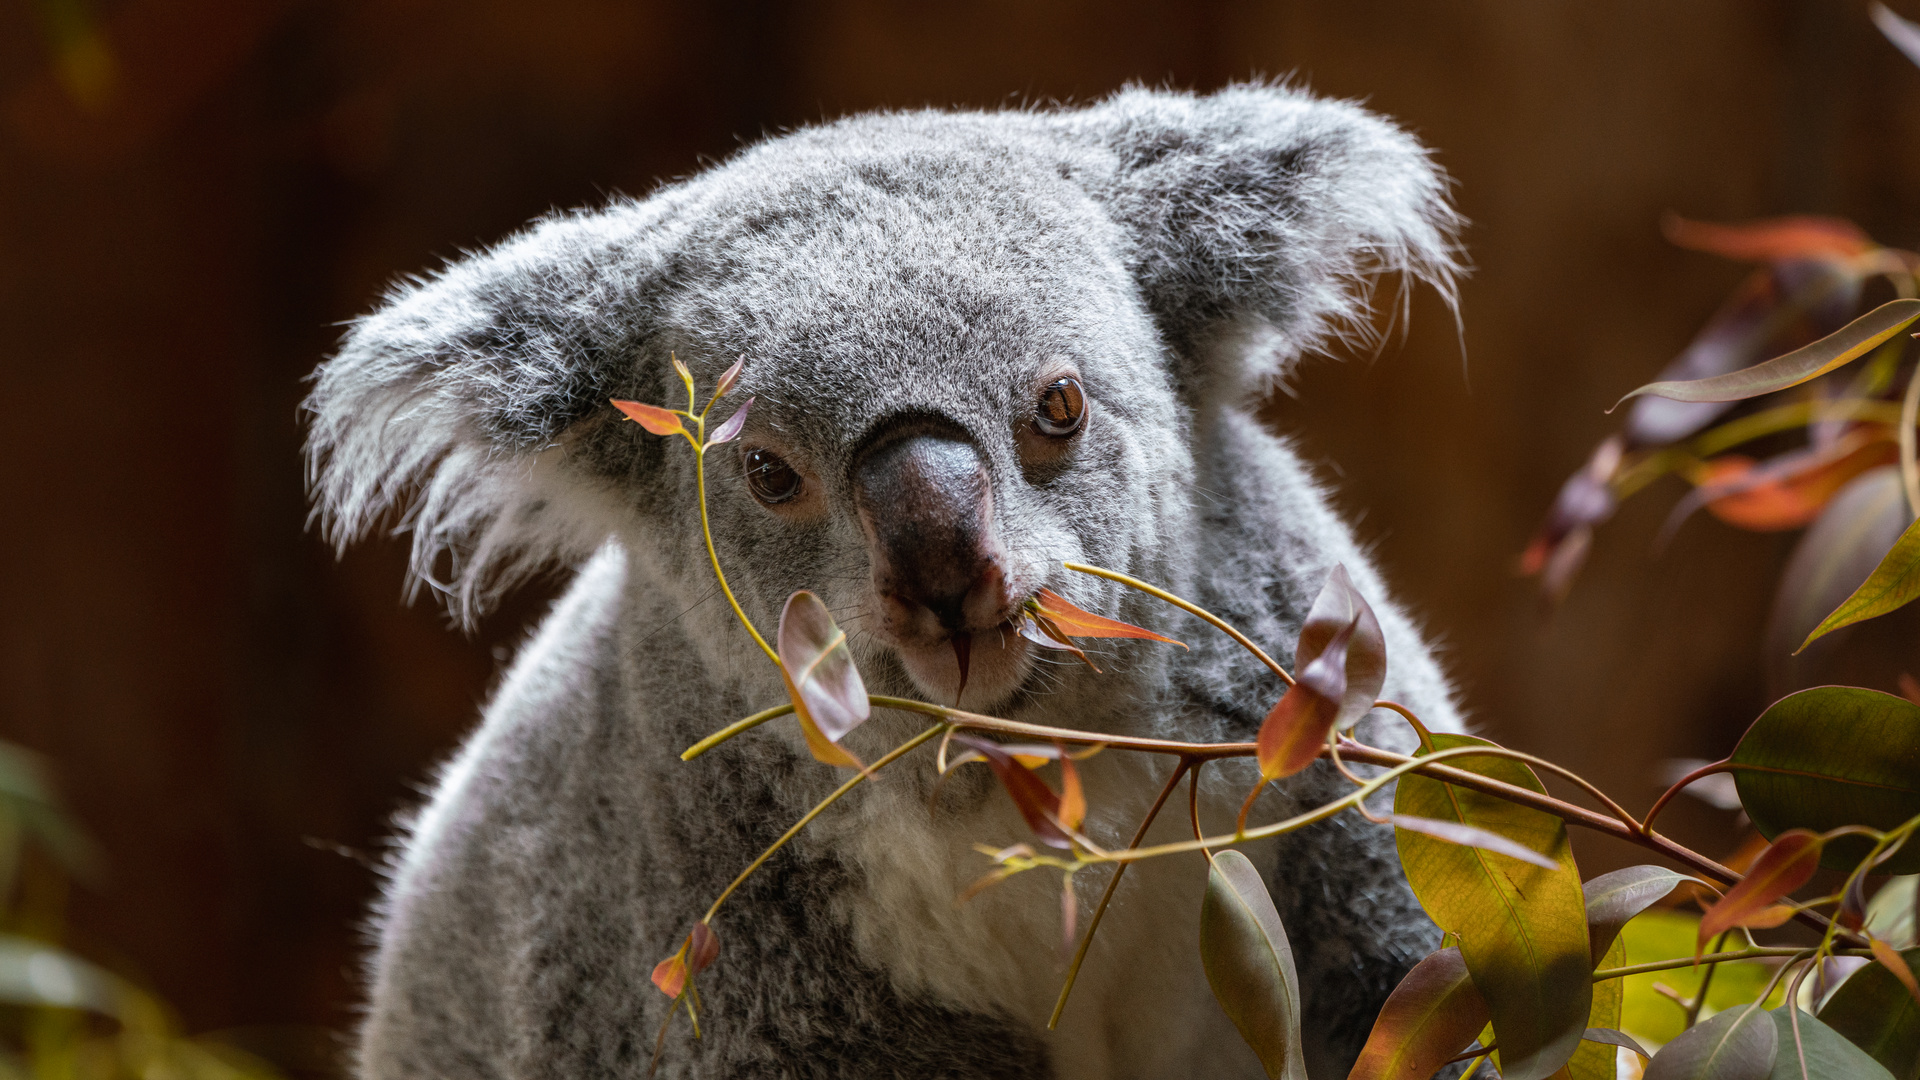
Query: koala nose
[{"x": 927, "y": 509}]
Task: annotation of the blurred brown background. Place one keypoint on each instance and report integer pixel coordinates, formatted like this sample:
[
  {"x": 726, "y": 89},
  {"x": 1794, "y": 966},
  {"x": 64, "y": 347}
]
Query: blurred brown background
[{"x": 194, "y": 192}]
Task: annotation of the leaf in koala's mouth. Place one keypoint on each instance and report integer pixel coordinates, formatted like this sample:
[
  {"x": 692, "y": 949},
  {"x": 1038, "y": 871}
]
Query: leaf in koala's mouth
[
  {"x": 962, "y": 652},
  {"x": 828, "y": 695},
  {"x": 1073, "y": 622}
]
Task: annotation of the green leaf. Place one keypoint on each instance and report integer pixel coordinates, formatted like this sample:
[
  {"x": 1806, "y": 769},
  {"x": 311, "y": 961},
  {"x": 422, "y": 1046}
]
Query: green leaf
[
  {"x": 1892, "y": 585},
  {"x": 1879, "y": 1016},
  {"x": 1833, "y": 756},
  {"x": 1596, "y": 1058},
  {"x": 1842, "y": 346},
  {"x": 1250, "y": 965},
  {"x": 1613, "y": 899},
  {"x": 1819, "y": 1054},
  {"x": 1738, "y": 1044},
  {"x": 1431, "y": 1016},
  {"x": 1523, "y": 929}
]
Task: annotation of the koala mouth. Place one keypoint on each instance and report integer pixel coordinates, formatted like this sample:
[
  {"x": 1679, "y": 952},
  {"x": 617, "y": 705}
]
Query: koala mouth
[{"x": 978, "y": 670}]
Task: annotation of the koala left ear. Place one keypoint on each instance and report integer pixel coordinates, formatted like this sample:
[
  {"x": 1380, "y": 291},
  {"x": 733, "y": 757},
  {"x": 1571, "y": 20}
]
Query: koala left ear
[{"x": 1265, "y": 211}]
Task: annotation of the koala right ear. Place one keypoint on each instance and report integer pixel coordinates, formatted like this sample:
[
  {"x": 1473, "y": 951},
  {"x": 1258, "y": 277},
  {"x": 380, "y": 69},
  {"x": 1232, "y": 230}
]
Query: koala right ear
[
  {"x": 458, "y": 399},
  {"x": 1263, "y": 209}
]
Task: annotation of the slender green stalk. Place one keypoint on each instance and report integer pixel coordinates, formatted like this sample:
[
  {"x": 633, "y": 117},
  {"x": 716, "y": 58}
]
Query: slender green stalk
[
  {"x": 706, "y": 530},
  {"x": 852, "y": 782},
  {"x": 735, "y": 728}
]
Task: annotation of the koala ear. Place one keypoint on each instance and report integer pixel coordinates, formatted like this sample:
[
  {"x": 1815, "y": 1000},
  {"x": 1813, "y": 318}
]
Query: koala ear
[
  {"x": 1258, "y": 217},
  {"x": 460, "y": 397}
]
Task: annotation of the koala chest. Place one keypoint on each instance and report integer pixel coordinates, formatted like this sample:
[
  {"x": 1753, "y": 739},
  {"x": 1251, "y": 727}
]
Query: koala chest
[{"x": 1140, "y": 1006}]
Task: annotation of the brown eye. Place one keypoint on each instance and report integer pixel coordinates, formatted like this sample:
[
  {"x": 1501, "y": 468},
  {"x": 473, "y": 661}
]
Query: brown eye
[
  {"x": 770, "y": 478},
  {"x": 1061, "y": 408}
]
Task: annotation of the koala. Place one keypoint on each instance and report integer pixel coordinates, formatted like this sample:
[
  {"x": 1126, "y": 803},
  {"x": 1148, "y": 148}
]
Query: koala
[{"x": 979, "y": 345}]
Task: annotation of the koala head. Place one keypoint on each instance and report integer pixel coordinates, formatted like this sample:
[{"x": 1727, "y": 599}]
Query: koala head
[{"x": 978, "y": 345}]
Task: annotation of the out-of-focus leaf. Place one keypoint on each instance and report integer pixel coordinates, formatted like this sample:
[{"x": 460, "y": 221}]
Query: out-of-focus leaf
[
  {"x": 1879, "y": 1016},
  {"x": 1891, "y": 915},
  {"x": 730, "y": 430},
  {"x": 1031, "y": 755},
  {"x": 1035, "y": 800},
  {"x": 696, "y": 953},
  {"x": 1894, "y": 583},
  {"x": 1455, "y": 833},
  {"x": 1338, "y": 606},
  {"x": 1294, "y": 732},
  {"x": 1801, "y": 365},
  {"x": 1832, "y": 756},
  {"x": 1077, "y": 623},
  {"x": 1796, "y": 236},
  {"x": 35, "y": 973},
  {"x": 652, "y": 417},
  {"x": 1835, "y": 556},
  {"x": 1715, "y": 789},
  {"x": 1523, "y": 930},
  {"x": 1073, "y": 798},
  {"x": 1585, "y": 500},
  {"x": 728, "y": 378},
  {"x": 1738, "y": 1044},
  {"x": 1897, "y": 964},
  {"x": 1431, "y": 1016},
  {"x": 1904, "y": 34},
  {"x": 1820, "y": 1050},
  {"x": 1614, "y": 898},
  {"x": 1663, "y": 934},
  {"x": 26, "y": 787},
  {"x": 828, "y": 695},
  {"x": 1784, "y": 492},
  {"x": 1250, "y": 965},
  {"x": 1786, "y": 865}
]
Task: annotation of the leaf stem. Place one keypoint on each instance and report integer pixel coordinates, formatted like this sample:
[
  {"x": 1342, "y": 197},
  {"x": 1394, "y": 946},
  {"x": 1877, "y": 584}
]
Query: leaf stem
[
  {"x": 1645, "y": 825},
  {"x": 706, "y": 530},
  {"x": 1760, "y": 953},
  {"x": 735, "y": 728},
  {"x": 852, "y": 782},
  {"x": 1113, "y": 883},
  {"x": 1190, "y": 608}
]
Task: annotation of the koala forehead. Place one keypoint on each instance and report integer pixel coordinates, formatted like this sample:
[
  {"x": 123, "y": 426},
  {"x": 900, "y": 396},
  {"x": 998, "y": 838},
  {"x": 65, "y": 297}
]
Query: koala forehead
[{"x": 865, "y": 272}]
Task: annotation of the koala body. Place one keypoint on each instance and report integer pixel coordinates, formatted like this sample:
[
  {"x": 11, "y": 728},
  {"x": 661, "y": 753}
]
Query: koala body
[{"x": 912, "y": 293}]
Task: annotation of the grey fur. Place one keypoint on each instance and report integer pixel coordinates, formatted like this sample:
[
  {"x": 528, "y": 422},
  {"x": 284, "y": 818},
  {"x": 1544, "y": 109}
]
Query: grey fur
[{"x": 1180, "y": 251}]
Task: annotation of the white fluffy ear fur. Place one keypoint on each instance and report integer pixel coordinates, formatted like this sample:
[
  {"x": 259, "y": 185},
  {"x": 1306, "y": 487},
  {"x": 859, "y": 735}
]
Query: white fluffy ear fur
[
  {"x": 457, "y": 400},
  {"x": 1261, "y": 216}
]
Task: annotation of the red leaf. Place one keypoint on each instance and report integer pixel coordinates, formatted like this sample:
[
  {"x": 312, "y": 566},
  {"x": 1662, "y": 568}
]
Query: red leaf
[
  {"x": 1797, "y": 236},
  {"x": 703, "y": 947},
  {"x": 1785, "y": 866},
  {"x": 1339, "y": 605},
  {"x": 1077, "y": 623},
  {"x": 696, "y": 953},
  {"x": 652, "y": 417},
  {"x": 1073, "y": 798},
  {"x": 731, "y": 376},
  {"x": 1894, "y": 962},
  {"x": 1041, "y": 631},
  {"x": 1035, "y": 800},
  {"x": 670, "y": 975},
  {"x": 730, "y": 430},
  {"x": 1789, "y": 491},
  {"x": 1432, "y": 1015},
  {"x": 1296, "y": 729}
]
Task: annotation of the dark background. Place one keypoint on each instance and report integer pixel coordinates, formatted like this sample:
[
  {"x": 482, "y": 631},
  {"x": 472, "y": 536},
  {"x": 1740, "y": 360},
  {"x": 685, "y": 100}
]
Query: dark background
[{"x": 194, "y": 193}]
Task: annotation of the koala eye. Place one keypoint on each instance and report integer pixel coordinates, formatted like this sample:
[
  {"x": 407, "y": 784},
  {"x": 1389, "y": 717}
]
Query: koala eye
[
  {"x": 770, "y": 478},
  {"x": 1061, "y": 409}
]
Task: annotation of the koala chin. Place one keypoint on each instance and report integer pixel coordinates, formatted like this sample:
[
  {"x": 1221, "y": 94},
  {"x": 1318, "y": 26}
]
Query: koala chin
[{"x": 979, "y": 345}]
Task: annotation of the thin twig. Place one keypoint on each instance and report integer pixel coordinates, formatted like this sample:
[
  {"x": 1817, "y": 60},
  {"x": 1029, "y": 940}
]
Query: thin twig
[{"x": 1190, "y": 608}]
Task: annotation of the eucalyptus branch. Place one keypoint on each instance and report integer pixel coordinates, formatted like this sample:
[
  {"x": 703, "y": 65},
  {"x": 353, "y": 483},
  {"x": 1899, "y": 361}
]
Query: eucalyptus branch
[
  {"x": 1760, "y": 953},
  {"x": 1190, "y": 608}
]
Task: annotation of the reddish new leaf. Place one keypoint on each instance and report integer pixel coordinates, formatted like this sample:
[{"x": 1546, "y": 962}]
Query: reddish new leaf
[
  {"x": 1789, "y": 491},
  {"x": 1894, "y": 962},
  {"x": 828, "y": 695},
  {"x": 1785, "y": 866},
  {"x": 696, "y": 954},
  {"x": 1296, "y": 730},
  {"x": 1340, "y": 605},
  {"x": 652, "y": 417},
  {"x": 1031, "y": 796},
  {"x": 730, "y": 430},
  {"x": 1041, "y": 630},
  {"x": 1797, "y": 236},
  {"x": 1431, "y": 1016},
  {"x": 1073, "y": 798},
  {"x": 1454, "y": 832},
  {"x": 1844, "y": 345},
  {"x": 1074, "y": 622},
  {"x": 728, "y": 378}
]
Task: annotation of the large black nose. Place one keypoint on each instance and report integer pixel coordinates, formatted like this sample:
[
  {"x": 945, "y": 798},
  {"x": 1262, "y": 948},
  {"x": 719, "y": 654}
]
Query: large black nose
[{"x": 927, "y": 507}]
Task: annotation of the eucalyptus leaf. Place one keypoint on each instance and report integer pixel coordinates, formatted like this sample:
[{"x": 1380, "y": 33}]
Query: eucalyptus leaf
[
  {"x": 1835, "y": 350},
  {"x": 1616, "y": 897},
  {"x": 1523, "y": 929},
  {"x": 1835, "y": 556},
  {"x": 1832, "y": 756},
  {"x": 1595, "y": 1059},
  {"x": 1431, "y": 1016},
  {"x": 1817, "y": 1052},
  {"x": 1877, "y": 1014},
  {"x": 1892, "y": 585},
  {"x": 1738, "y": 1044},
  {"x": 1250, "y": 964}
]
